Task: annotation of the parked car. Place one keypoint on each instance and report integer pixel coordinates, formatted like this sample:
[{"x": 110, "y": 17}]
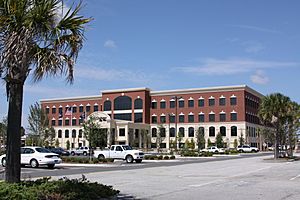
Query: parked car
[
  {"x": 80, "y": 151},
  {"x": 36, "y": 156},
  {"x": 58, "y": 150},
  {"x": 123, "y": 152},
  {"x": 213, "y": 149},
  {"x": 247, "y": 148}
]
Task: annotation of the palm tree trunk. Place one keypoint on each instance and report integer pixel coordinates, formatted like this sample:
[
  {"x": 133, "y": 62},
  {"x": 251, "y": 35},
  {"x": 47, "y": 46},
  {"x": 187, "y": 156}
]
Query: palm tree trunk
[{"x": 13, "y": 166}]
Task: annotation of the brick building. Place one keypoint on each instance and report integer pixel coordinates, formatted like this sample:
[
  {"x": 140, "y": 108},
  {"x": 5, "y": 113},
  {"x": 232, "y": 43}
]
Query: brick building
[{"x": 132, "y": 114}]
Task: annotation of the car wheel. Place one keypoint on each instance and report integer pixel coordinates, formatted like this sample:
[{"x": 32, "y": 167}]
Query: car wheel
[
  {"x": 101, "y": 157},
  {"x": 73, "y": 153},
  {"x": 138, "y": 160},
  {"x": 129, "y": 159},
  {"x": 253, "y": 151},
  {"x": 34, "y": 163},
  {"x": 51, "y": 166},
  {"x": 3, "y": 162},
  {"x": 85, "y": 153}
]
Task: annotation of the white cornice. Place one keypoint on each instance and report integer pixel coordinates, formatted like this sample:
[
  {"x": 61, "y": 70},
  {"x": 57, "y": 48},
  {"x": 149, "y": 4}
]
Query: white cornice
[
  {"x": 125, "y": 90},
  {"x": 68, "y": 99}
]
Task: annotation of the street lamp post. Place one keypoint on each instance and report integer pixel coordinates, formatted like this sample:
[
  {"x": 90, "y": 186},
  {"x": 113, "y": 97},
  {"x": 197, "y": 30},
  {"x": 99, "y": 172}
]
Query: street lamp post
[{"x": 176, "y": 132}]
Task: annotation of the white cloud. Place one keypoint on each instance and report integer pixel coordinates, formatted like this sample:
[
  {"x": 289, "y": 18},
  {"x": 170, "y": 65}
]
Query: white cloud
[
  {"x": 253, "y": 47},
  {"x": 255, "y": 28},
  {"x": 213, "y": 66},
  {"x": 259, "y": 78},
  {"x": 110, "y": 44}
]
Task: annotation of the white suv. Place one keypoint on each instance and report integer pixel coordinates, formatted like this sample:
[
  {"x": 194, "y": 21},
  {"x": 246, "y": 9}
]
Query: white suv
[
  {"x": 213, "y": 149},
  {"x": 246, "y": 148}
]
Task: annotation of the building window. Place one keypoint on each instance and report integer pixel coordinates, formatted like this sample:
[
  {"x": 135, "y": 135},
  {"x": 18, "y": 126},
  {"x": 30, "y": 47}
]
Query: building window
[
  {"x": 154, "y": 119},
  {"x": 60, "y": 110},
  {"x": 73, "y": 133},
  {"x": 162, "y": 132},
  {"x": 107, "y": 105},
  {"x": 154, "y": 132},
  {"x": 59, "y": 133},
  {"x": 191, "y": 103},
  {"x": 138, "y": 104},
  {"x": 162, "y": 119},
  {"x": 47, "y": 110},
  {"x": 59, "y": 122},
  {"x": 172, "y": 104},
  {"x": 66, "y": 133},
  {"x": 88, "y": 108},
  {"x": 181, "y": 103},
  {"x": 74, "y": 109},
  {"x": 162, "y": 104},
  {"x": 80, "y": 133},
  {"x": 123, "y": 103},
  {"x": 122, "y": 132},
  {"x": 53, "y": 122},
  {"x": 138, "y": 117},
  {"x": 211, "y": 117},
  {"x": 223, "y": 130},
  {"x": 163, "y": 145},
  {"x": 53, "y": 110},
  {"x": 153, "y": 104},
  {"x": 181, "y": 118},
  {"x": 222, "y": 101},
  {"x": 74, "y": 122},
  {"x": 96, "y": 108},
  {"x": 222, "y": 117},
  {"x": 123, "y": 116},
  {"x": 172, "y": 118},
  {"x": 201, "y": 118},
  {"x": 212, "y": 131},
  {"x": 201, "y": 103},
  {"x": 191, "y": 118},
  {"x": 67, "y": 122},
  {"x": 233, "y": 131},
  {"x": 80, "y": 108},
  {"x": 181, "y": 132},
  {"x": 172, "y": 132},
  {"x": 233, "y": 101},
  {"x": 191, "y": 132},
  {"x": 233, "y": 116},
  {"x": 211, "y": 102}
]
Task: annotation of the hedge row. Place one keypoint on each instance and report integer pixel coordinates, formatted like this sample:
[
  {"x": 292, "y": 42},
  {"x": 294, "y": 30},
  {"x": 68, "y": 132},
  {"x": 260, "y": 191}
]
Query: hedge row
[
  {"x": 159, "y": 157},
  {"x": 86, "y": 160},
  {"x": 62, "y": 189}
]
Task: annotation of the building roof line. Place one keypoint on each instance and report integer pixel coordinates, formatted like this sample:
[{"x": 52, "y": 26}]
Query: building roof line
[
  {"x": 78, "y": 98},
  {"x": 126, "y": 90}
]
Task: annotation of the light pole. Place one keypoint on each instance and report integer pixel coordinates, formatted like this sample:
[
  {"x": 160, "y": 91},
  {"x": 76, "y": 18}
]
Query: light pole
[{"x": 176, "y": 99}]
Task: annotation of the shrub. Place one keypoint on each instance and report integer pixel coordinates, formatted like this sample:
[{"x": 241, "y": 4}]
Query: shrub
[
  {"x": 206, "y": 154},
  {"x": 172, "y": 157},
  {"x": 147, "y": 157},
  {"x": 160, "y": 157},
  {"x": 166, "y": 158},
  {"x": 62, "y": 189}
]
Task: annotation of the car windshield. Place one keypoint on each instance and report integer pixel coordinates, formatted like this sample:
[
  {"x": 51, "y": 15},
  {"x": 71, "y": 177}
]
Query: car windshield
[
  {"x": 126, "y": 147},
  {"x": 42, "y": 150}
]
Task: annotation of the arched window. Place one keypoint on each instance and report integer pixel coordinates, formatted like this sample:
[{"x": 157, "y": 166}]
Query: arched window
[
  {"x": 154, "y": 132},
  {"x": 73, "y": 133},
  {"x": 107, "y": 105},
  {"x": 80, "y": 133},
  {"x": 172, "y": 132},
  {"x": 138, "y": 104},
  {"x": 223, "y": 130},
  {"x": 191, "y": 132},
  {"x": 233, "y": 131},
  {"x": 66, "y": 133},
  {"x": 162, "y": 132},
  {"x": 123, "y": 103},
  {"x": 59, "y": 133},
  {"x": 181, "y": 132},
  {"x": 212, "y": 131}
]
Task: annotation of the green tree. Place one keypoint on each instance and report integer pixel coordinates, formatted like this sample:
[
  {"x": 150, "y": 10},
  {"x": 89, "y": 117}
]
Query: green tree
[
  {"x": 200, "y": 139},
  {"x": 56, "y": 143},
  {"x": 3, "y": 129},
  {"x": 235, "y": 143},
  {"x": 273, "y": 113},
  {"x": 68, "y": 145},
  {"x": 160, "y": 137},
  {"x": 241, "y": 139},
  {"x": 35, "y": 38},
  {"x": 192, "y": 144},
  {"x": 219, "y": 140},
  {"x": 146, "y": 138},
  {"x": 209, "y": 144}
]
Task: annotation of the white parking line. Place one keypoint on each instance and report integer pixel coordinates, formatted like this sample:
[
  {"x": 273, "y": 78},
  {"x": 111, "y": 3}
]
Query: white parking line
[{"x": 295, "y": 177}]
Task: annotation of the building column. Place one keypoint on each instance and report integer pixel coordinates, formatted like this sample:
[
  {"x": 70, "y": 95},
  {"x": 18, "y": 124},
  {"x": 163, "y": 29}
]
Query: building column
[{"x": 140, "y": 139}]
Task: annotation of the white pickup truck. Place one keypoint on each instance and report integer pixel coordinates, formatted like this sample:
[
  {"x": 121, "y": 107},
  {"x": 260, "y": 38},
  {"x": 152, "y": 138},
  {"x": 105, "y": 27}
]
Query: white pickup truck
[{"x": 124, "y": 152}]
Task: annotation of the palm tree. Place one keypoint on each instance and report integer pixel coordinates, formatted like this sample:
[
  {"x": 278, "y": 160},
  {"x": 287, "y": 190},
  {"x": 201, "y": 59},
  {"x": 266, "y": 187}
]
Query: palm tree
[
  {"x": 35, "y": 38},
  {"x": 272, "y": 112}
]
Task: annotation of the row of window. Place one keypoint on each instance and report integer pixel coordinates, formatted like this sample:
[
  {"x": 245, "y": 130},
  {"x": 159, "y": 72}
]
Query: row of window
[
  {"x": 252, "y": 119},
  {"x": 201, "y": 103},
  {"x": 251, "y": 103},
  {"x": 67, "y": 134},
  {"x": 59, "y": 122},
  {"x": 123, "y": 103},
  {"x": 191, "y": 118},
  {"x": 191, "y": 131},
  {"x": 73, "y": 109}
]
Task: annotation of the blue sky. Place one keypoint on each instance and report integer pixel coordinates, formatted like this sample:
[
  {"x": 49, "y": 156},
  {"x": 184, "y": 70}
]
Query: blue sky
[{"x": 181, "y": 44}]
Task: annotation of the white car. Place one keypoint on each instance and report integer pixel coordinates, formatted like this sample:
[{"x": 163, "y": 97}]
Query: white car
[
  {"x": 213, "y": 149},
  {"x": 35, "y": 156},
  {"x": 247, "y": 148}
]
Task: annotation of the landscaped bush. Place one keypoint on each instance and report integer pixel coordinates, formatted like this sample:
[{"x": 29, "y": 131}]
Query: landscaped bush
[
  {"x": 160, "y": 157},
  {"x": 172, "y": 157},
  {"x": 85, "y": 160},
  {"x": 62, "y": 189},
  {"x": 166, "y": 158},
  {"x": 206, "y": 154},
  {"x": 189, "y": 153}
]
